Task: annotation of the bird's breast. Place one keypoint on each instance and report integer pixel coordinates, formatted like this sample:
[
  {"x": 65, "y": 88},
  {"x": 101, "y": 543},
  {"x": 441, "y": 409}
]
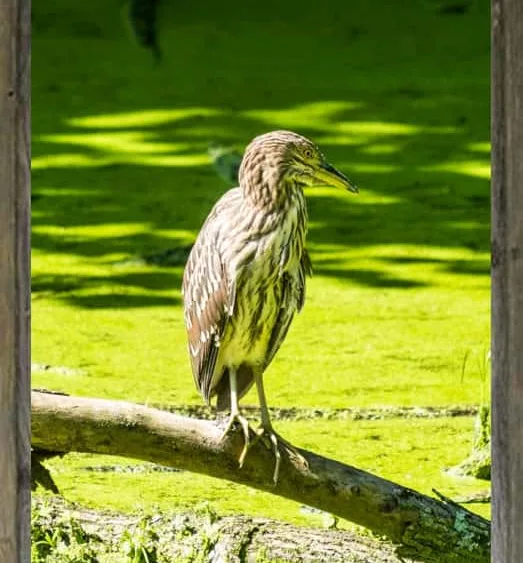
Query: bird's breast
[{"x": 267, "y": 280}]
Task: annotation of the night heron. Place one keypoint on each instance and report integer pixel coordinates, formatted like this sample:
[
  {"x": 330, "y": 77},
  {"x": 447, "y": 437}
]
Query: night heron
[{"x": 245, "y": 275}]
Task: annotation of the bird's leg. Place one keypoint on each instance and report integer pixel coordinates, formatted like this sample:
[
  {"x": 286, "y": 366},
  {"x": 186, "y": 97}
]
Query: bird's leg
[
  {"x": 266, "y": 426},
  {"x": 236, "y": 416},
  {"x": 267, "y": 429}
]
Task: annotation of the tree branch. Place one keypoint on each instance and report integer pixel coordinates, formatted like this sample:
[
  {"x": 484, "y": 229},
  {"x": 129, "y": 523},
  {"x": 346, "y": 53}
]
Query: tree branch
[{"x": 423, "y": 527}]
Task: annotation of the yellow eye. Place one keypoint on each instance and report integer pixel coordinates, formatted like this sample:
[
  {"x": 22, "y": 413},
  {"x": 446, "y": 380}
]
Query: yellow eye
[{"x": 308, "y": 153}]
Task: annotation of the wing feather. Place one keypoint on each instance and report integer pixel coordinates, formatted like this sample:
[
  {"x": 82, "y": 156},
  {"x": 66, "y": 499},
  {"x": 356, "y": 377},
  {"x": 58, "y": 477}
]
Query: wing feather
[
  {"x": 286, "y": 313},
  {"x": 209, "y": 297}
]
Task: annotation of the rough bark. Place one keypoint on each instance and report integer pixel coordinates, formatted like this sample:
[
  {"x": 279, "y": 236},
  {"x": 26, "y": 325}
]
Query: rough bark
[
  {"x": 203, "y": 536},
  {"x": 423, "y": 528}
]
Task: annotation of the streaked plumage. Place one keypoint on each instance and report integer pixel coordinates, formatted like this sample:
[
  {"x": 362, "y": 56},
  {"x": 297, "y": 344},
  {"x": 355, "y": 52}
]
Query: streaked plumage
[{"x": 245, "y": 277}]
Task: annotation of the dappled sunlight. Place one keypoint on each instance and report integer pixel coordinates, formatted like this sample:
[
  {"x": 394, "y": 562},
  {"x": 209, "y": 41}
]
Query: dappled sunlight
[
  {"x": 67, "y": 160},
  {"x": 107, "y": 245},
  {"x": 151, "y": 168},
  {"x": 373, "y": 168},
  {"x": 122, "y": 181},
  {"x": 49, "y": 191},
  {"x": 99, "y": 232},
  {"x": 174, "y": 160},
  {"x": 465, "y": 225},
  {"x": 397, "y": 252},
  {"x": 131, "y": 147},
  {"x": 372, "y": 129},
  {"x": 395, "y": 266},
  {"x": 316, "y": 114},
  {"x": 116, "y": 141},
  {"x": 380, "y": 148},
  {"x": 139, "y": 119},
  {"x": 475, "y": 168},
  {"x": 74, "y": 161},
  {"x": 479, "y": 147},
  {"x": 324, "y": 117},
  {"x": 161, "y": 138},
  {"x": 365, "y": 197}
]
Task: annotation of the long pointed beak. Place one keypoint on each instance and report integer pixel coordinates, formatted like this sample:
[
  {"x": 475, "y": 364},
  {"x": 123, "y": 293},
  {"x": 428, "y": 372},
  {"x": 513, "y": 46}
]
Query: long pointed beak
[{"x": 327, "y": 175}]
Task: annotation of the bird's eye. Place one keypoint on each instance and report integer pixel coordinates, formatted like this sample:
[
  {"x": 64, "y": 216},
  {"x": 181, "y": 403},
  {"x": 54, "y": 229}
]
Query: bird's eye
[{"x": 308, "y": 153}]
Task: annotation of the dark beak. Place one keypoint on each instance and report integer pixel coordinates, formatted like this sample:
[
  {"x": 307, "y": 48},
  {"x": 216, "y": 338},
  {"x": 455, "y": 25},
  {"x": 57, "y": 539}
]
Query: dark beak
[{"x": 327, "y": 175}]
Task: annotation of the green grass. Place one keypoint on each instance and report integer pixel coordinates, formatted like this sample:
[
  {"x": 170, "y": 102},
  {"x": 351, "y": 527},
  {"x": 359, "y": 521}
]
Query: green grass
[{"x": 400, "y": 295}]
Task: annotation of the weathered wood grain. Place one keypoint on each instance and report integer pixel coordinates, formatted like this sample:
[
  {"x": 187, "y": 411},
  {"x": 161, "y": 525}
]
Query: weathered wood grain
[
  {"x": 14, "y": 281},
  {"x": 507, "y": 281}
]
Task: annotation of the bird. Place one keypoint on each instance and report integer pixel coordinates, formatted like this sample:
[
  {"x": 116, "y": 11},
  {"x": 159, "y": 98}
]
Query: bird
[{"x": 245, "y": 276}]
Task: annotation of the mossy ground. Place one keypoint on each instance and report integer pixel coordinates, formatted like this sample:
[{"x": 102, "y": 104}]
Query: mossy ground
[{"x": 397, "y": 96}]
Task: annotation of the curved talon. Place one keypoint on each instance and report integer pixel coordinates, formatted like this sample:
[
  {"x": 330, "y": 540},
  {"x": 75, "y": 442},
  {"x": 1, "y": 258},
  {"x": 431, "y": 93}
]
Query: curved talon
[
  {"x": 275, "y": 441},
  {"x": 244, "y": 423},
  {"x": 277, "y": 455},
  {"x": 278, "y": 441}
]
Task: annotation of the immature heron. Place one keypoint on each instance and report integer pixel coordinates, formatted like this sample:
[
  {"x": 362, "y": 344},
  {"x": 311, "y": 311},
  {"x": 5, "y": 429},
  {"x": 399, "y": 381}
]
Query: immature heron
[{"x": 245, "y": 275}]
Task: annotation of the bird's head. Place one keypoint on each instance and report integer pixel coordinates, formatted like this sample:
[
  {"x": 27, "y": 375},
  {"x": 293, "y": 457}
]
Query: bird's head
[{"x": 278, "y": 161}]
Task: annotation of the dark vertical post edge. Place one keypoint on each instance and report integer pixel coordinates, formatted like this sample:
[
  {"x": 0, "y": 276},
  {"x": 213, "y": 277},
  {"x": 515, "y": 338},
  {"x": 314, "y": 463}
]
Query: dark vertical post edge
[
  {"x": 497, "y": 273},
  {"x": 23, "y": 272},
  {"x": 15, "y": 408},
  {"x": 507, "y": 281}
]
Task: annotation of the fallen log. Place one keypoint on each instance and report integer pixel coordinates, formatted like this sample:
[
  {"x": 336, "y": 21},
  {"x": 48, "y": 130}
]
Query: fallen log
[
  {"x": 199, "y": 535},
  {"x": 423, "y": 528}
]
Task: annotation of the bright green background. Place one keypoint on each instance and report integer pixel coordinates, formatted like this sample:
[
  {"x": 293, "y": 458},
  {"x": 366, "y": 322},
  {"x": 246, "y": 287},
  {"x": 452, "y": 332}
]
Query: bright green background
[{"x": 397, "y": 96}]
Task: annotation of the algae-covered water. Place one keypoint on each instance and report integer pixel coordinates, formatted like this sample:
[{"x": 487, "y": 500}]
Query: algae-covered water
[{"x": 397, "y": 96}]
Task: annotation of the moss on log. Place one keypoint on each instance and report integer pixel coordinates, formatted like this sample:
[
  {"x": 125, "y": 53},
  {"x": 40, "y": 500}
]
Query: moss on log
[
  {"x": 92, "y": 535},
  {"x": 478, "y": 463}
]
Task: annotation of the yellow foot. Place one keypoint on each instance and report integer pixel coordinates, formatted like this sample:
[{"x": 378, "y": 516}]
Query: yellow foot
[
  {"x": 236, "y": 417},
  {"x": 275, "y": 442}
]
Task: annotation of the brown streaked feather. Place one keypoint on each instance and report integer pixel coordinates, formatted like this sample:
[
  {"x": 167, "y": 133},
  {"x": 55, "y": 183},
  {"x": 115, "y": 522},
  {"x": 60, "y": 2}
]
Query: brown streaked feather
[
  {"x": 285, "y": 316},
  {"x": 206, "y": 309},
  {"x": 305, "y": 270}
]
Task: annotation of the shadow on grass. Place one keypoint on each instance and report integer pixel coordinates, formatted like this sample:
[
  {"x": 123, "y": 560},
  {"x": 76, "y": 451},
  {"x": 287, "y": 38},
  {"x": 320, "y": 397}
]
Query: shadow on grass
[
  {"x": 114, "y": 292},
  {"x": 368, "y": 277},
  {"x": 480, "y": 266},
  {"x": 120, "y": 301},
  {"x": 126, "y": 174}
]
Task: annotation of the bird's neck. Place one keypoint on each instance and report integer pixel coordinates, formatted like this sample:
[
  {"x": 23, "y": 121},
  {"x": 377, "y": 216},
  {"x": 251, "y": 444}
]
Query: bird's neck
[
  {"x": 272, "y": 193},
  {"x": 266, "y": 214}
]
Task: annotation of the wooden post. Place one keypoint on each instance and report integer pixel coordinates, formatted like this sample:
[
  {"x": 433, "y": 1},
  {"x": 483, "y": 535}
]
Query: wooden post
[
  {"x": 15, "y": 454},
  {"x": 507, "y": 281}
]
